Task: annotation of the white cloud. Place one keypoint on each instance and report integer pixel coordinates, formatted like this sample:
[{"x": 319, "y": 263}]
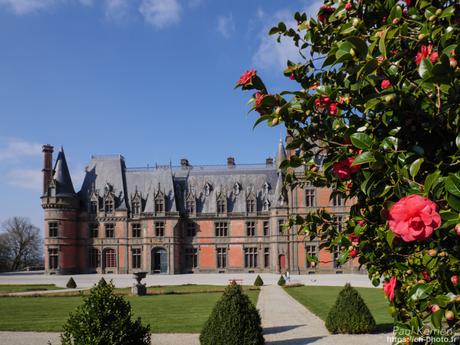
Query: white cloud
[
  {"x": 160, "y": 13},
  {"x": 116, "y": 9},
  {"x": 26, "y": 178},
  {"x": 226, "y": 25},
  {"x": 21, "y": 7},
  {"x": 16, "y": 148}
]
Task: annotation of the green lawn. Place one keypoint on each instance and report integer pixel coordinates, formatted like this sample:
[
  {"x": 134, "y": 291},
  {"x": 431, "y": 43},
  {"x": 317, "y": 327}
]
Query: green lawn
[
  {"x": 320, "y": 299},
  {"x": 167, "y": 313},
  {"x": 7, "y": 288}
]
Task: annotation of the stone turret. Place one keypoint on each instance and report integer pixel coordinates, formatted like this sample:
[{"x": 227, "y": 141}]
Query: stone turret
[{"x": 281, "y": 154}]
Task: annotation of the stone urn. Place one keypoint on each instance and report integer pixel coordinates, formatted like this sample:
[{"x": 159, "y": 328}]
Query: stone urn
[{"x": 139, "y": 289}]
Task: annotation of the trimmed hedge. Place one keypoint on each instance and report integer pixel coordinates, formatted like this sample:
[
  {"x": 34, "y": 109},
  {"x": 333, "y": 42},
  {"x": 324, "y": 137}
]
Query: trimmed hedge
[
  {"x": 350, "y": 314},
  {"x": 258, "y": 281},
  {"x": 71, "y": 284},
  {"x": 233, "y": 321},
  {"x": 281, "y": 281}
]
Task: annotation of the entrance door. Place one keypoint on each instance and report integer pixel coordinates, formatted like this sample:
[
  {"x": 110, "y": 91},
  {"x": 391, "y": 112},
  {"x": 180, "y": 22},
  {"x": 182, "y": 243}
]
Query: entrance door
[
  {"x": 159, "y": 260},
  {"x": 282, "y": 262}
]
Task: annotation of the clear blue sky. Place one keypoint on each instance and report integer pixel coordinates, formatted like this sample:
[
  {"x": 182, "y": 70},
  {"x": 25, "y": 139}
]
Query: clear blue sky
[{"x": 150, "y": 79}]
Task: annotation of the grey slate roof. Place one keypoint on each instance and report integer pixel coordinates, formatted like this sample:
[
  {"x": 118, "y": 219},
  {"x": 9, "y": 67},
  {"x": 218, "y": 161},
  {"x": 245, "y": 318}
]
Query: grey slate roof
[{"x": 61, "y": 177}]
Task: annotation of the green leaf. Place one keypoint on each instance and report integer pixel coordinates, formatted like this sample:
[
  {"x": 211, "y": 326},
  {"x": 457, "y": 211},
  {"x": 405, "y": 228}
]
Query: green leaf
[
  {"x": 261, "y": 119},
  {"x": 457, "y": 141},
  {"x": 436, "y": 318},
  {"x": 383, "y": 44},
  {"x": 359, "y": 45},
  {"x": 424, "y": 69},
  {"x": 366, "y": 157},
  {"x": 453, "y": 184},
  {"x": 390, "y": 237},
  {"x": 454, "y": 202},
  {"x": 361, "y": 140},
  {"x": 415, "y": 167},
  {"x": 368, "y": 68},
  {"x": 430, "y": 179}
]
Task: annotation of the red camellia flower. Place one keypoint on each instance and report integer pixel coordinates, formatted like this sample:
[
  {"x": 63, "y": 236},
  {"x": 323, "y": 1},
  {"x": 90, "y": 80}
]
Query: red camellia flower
[
  {"x": 246, "y": 77},
  {"x": 385, "y": 84},
  {"x": 354, "y": 253},
  {"x": 292, "y": 76},
  {"x": 354, "y": 239},
  {"x": 389, "y": 288},
  {"x": 408, "y": 2},
  {"x": 344, "y": 168},
  {"x": 426, "y": 51},
  {"x": 426, "y": 276},
  {"x": 333, "y": 109},
  {"x": 324, "y": 13},
  {"x": 259, "y": 98},
  {"x": 454, "y": 279},
  {"x": 348, "y": 6},
  {"x": 361, "y": 222},
  {"x": 414, "y": 218},
  {"x": 434, "y": 57}
]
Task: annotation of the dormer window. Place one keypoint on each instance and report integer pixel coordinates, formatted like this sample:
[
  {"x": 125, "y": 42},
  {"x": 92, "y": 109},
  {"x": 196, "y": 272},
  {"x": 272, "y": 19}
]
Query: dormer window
[
  {"x": 159, "y": 204},
  {"x": 109, "y": 205},
  {"x": 221, "y": 205},
  {"x": 266, "y": 206},
  {"x": 92, "y": 207},
  {"x": 251, "y": 205},
  {"x": 190, "y": 206},
  {"x": 136, "y": 207}
]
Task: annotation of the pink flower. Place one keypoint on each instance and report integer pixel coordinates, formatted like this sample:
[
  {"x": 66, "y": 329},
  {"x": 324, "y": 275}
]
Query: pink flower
[
  {"x": 354, "y": 239},
  {"x": 414, "y": 218},
  {"x": 344, "y": 168},
  {"x": 457, "y": 229},
  {"x": 354, "y": 253},
  {"x": 259, "y": 96},
  {"x": 348, "y": 6},
  {"x": 435, "y": 308},
  {"x": 424, "y": 52},
  {"x": 385, "y": 84},
  {"x": 333, "y": 109},
  {"x": 454, "y": 279},
  {"x": 434, "y": 57},
  {"x": 292, "y": 76},
  {"x": 389, "y": 288},
  {"x": 361, "y": 222},
  {"x": 246, "y": 77}
]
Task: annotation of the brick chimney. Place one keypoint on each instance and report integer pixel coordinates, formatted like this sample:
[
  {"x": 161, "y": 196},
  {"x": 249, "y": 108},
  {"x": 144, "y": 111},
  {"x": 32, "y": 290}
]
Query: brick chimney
[
  {"x": 47, "y": 166},
  {"x": 184, "y": 163},
  {"x": 269, "y": 162},
  {"x": 230, "y": 162}
]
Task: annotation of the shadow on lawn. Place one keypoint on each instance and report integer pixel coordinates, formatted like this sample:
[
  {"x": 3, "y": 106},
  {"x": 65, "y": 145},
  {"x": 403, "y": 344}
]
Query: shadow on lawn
[{"x": 299, "y": 341}]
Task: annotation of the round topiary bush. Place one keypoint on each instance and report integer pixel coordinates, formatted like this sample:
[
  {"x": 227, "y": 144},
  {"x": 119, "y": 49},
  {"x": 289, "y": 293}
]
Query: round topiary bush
[
  {"x": 104, "y": 318},
  {"x": 71, "y": 284},
  {"x": 258, "y": 281},
  {"x": 349, "y": 314},
  {"x": 281, "y": 281},
  {"x": 233, "y": 321}
]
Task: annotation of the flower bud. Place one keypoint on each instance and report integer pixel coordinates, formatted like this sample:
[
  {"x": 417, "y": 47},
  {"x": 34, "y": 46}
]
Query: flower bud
[
  {"x": 435, "y": 308},
  {"x": 453, "y": 63},
  {"x": 432, "y": 252},
  {"x": 449, "y": 315},
  {"x": 421, "y": 37},
  {"x": 454, "y": 279},
  {"x": 275, "y": 121},
  {"x": 356, "y": 22},
  {"x": 457, "y": 229}
]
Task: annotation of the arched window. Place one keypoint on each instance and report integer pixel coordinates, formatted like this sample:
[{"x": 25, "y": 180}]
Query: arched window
[
  {"x": 110, "y": 258},
  {"x": 94, "y": 258}
]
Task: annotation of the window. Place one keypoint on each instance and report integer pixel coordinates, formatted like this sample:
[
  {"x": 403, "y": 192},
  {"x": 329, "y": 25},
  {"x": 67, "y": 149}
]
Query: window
[
  {"x": 310, "y": 197},
  {"x": 136, "y": 207},
  {"x": 159, "y": 229},
  {"x": 136, "y": 229},
  {"x": 110, "y": 258},
  {"x": 335, "y": 256},
  {"x": 94, "y": 230},
  {"x": 53, "y": 258},
  {"x": 92, "y": 207},
  {"x": 338, "y": 200},
  {"x": 190, "y": 206},
  {"x": 110, "y": 230},
  {"x": 53, "y": 229},
  {"x": 221, "y": 257},
  {"x": 94, "y": 258},
  {"x": 338, "y": 221},
  {"x": 221, "y": 229},
  {"x": 250, "y": 229},
  {"x": 311, "y": 250},
  {"x": 250, "y": 257},
  {"x": 109, "y": 205},
  {"x": 280, "y": 226},
  {"x": 191, "y": 258},
  {"x": 266, "y": 257},
  {"x": 251, "y": 205},
  {"x": 266, "y": 228},
  {"x": 221, "y": 206},
  {"x": 136, "y": 257},
  {"x": 191, "y": 229},
  {"x": 159, "y": 205}
]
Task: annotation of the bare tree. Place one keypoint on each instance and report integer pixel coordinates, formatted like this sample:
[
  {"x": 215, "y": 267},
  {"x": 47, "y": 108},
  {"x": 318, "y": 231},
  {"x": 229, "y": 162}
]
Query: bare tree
[{"x": 20, "y": 243}]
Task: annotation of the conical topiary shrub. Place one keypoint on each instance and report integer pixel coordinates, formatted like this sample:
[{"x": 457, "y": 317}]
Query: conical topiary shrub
[
  {"x": 281, "y": 281},
  {"x": 349, "y": 314},
  {"x": 71, "y": 284},
  {"x": 104, "y": 318},
  {"x": 233, "y": 321},
  {"x": 258, "y": 281}
]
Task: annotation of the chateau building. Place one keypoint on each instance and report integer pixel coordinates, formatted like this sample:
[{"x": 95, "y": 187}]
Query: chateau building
[{"x": 183, "y": 219}]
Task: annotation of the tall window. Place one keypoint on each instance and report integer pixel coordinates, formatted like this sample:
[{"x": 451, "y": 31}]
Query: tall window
[
  {"x": 311, "y": 250},
  {"x": 281, "y": 226},
  {"x": 221, "y": 229},
  {"x": 251, "y": 205},
  {"x": 338, "y": 200},
  {"x": 250, "y": 229},
  {"x": 338, "y": 221},
  {"x": 310, "y": 197},
  {"x": 159, "y": 204},
  {"x": 53, "y": 256},
  {"x": 191, "y": 258},
  {"x": 136, "y": 207},
  {"x": 136, "y": 257},
  {"x": 191, "y": 229},
  {"x": 190, "y": 206},
  {"x": 159, "y": 229},
  {"x": 110, "y": 230},
  {"x": 266, "y": 228},
  {"x": 94, "y": 230},
  {"x": 109, "y": 205},
  {"x": 250, "y": 257},
  {"x": 221, "y": 257},
  {"x": 110, "y": 258},
  {"x": 93, "y": 207},
  {"x": 221, "y": 206},
  {"x": 53, "y": 229},
  {"x": 94, "y": 258},
  {"x": 266, "y": 257},
  {"x": 136, "y": 229}
]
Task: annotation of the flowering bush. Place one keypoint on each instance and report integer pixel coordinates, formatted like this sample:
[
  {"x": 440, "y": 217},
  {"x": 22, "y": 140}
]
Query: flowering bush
[{"x": 378, "y": 103}]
